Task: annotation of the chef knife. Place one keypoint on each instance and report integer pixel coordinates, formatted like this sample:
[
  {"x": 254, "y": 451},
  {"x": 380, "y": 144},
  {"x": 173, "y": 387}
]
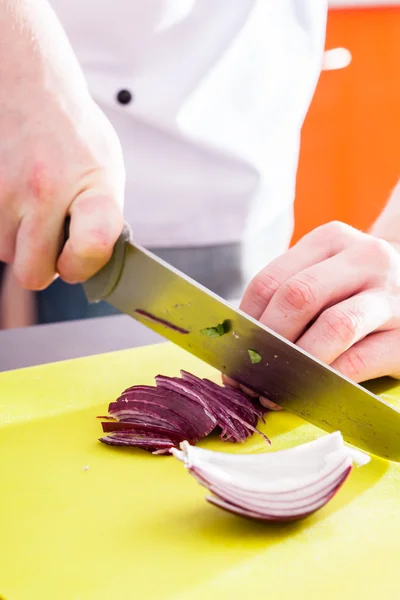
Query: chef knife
[{"x": 145, "y": 287}]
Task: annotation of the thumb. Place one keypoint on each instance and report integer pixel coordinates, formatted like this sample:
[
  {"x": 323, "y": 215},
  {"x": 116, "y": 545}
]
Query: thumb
[{"x": 96, "y": 223}]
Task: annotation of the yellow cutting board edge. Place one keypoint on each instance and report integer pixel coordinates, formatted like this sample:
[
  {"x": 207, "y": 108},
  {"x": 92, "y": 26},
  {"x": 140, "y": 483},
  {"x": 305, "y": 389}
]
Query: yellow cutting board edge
[{"x": 80, "y": 520}]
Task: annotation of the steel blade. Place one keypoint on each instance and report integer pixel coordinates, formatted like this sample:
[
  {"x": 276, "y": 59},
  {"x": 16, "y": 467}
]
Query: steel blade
[{"x": 187, "y": 314}]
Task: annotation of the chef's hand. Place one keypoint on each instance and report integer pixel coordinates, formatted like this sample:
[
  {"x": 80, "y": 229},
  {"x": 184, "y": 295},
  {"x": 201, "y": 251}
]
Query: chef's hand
[
  {"x": 336, "y": 294},
  {"x": 58, "y": 155}
]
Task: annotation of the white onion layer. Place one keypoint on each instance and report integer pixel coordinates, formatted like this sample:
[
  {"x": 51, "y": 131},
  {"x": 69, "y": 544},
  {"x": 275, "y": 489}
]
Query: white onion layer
[{"x": 283, "y": 485}]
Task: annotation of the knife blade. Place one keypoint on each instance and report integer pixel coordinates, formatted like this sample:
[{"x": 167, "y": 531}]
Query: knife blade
[{"x": 141, "y": 285}]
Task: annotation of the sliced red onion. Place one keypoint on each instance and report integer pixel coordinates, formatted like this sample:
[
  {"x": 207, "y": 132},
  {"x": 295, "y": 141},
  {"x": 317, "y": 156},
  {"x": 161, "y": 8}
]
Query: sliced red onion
[
  {"x": 176, "y": 384},
  {"x": 178, "y": 409},
  {"x": 230, "y": 394},
  {"x": 284, "y": 485},
  {"x": 233, "y": 417},
  {"x": 191, "y": 413},
  {"x": 152, "y": 412}
]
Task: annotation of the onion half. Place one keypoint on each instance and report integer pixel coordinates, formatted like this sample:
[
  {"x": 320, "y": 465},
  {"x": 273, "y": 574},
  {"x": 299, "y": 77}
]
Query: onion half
[{"x": 278, "y": 486}]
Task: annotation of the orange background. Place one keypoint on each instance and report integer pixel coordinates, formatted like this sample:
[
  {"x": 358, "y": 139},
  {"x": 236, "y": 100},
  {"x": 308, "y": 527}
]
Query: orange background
[{"x": 350, "y": 148}]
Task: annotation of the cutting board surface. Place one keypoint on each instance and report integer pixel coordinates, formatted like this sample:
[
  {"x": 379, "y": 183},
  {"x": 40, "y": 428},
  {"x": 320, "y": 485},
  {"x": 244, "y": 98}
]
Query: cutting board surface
[{"x": 83, "y": 521}]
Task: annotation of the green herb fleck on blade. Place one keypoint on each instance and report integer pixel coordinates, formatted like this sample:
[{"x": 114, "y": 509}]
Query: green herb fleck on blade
[
  {"x": 254, "y": 356},
  {"x": 217, "y": 331},
  {"x": 213, "y": 332}
]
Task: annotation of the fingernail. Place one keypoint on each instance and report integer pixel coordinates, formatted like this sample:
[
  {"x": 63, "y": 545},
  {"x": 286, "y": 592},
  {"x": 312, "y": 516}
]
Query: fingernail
[
  {"x": 248, "y": 391},
  {"x": 229, "y": 382},
  {"x": 269, "y": 404}
]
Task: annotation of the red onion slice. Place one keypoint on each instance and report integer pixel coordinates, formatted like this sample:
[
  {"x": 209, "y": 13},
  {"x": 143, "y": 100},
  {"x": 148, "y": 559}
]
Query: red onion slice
[
  {"x": 278, "y": 506},
  {"x": 139, "y": 428},
  {"x": 235, "y": 421},
  {"x": 190, "y": 413},
  {"x": 284, "y": 485},
  {"x": 254, "y": 490},
  {"x": 147, "y": 441},
  {"x": 243, "y": 512},
  {"x": 231, "y": 394}
]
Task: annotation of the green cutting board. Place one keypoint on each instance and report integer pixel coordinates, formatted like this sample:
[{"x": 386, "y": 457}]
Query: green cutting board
[{"x": 83, "y": 521}]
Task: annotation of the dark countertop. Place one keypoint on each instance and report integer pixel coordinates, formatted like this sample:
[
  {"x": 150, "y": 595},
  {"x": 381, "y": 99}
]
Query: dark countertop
[{"x": 42, "y": 344}]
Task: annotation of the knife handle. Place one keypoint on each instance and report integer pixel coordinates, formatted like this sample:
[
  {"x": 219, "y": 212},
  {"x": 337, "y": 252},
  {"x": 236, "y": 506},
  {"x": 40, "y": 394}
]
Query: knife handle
[
  {"x": 101, "y": 285},
  {"x": 67, "y": 224}
]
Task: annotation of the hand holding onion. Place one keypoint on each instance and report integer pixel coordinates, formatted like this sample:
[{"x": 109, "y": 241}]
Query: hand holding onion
[{"x": 336, "y": 294}]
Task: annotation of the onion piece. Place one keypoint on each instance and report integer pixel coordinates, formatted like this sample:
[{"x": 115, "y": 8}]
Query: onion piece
[
  {"x": 283, "y": 485},
  {"x": 134, "y": 428},
  {"x": 147, "y": 441}
]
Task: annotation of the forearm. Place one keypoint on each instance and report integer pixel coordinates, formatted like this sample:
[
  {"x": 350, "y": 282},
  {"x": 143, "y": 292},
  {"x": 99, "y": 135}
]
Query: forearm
[
  {"x": 387, "y": 225},
  {"x": 35, "y": 53}
]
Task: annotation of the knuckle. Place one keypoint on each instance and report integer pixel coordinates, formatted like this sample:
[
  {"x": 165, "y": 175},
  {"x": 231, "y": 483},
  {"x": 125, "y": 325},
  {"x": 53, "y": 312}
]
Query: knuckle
[
  {"x": 264, "y": 286},
  {"x": 299, "y": 295},
  {"x": 380, "y": 251},
  {"x": 96, "y": 243},
  {"x": 353, "y": 364},
  {"x": 334, "y": 229},
  {"x": 340, "y": 326},
  {"x": 42, "y": 185},
  {"x": 94, "y": 240},
  {"x": 332, "y": 235}
]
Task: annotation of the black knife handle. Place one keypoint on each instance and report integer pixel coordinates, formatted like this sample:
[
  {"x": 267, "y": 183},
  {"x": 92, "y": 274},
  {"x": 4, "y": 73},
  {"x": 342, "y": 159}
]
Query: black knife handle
[
  {"x": 2, "y": 272},
  {"x": 67, "y": 224}
]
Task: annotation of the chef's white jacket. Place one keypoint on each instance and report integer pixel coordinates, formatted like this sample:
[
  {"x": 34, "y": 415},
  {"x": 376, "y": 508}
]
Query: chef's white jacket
[{"x": 208, "y": 98}]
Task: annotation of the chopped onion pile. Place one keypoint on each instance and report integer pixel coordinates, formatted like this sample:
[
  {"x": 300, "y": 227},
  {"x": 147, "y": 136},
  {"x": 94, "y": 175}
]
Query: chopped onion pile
[
  {"x": 177, "y": 409},
  {"x": 275, "y": 486}
]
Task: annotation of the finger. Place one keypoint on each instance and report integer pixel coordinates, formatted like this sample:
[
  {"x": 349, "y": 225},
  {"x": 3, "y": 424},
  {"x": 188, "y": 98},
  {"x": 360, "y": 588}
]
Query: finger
[
  {"x": 228, "y": 381},
  {"x": 344, "y": 324},
  {"x": 37, "y": 245},
  {"x": 248, "y": 391},
  {"x": 321, "y": 244},
  {"x": 302, "y": 297},
  {"x": 96, "y": 223},
  {"x": 269, "y": 404},
  {"x": 376, "y": 356}
]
